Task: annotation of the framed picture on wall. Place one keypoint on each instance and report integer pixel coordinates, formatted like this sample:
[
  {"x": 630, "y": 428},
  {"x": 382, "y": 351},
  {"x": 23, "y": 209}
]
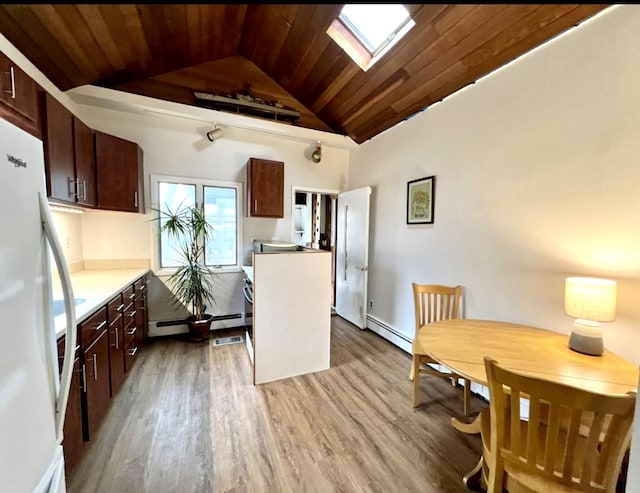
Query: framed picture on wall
[{"x": 420, "y": 199}]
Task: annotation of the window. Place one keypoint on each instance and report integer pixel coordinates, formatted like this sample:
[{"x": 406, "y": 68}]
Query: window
[
  {"x": 221, "y": 202},
  {"x": 367, "y": 32}
]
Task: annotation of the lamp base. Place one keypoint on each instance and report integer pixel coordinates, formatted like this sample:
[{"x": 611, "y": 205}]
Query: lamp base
[{"x": 587, "y": 339}]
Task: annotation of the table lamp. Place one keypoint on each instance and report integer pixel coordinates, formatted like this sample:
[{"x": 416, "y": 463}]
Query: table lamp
[{"x": 590, "y": 301}]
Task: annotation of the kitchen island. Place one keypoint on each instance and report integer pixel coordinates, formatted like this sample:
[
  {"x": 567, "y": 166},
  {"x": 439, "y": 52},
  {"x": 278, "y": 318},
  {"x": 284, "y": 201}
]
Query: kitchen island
[{"x": 291, "y": 314}]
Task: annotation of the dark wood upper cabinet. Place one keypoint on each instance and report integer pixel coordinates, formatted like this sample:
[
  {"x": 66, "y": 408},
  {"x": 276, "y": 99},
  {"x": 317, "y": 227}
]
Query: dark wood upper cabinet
[
  {"x": 19, "y": 97},
  {"x": 58, "y": 150},
  {"x": 265, "y": 184},
  {"x": 85, "y": 163},
  {"x": 119, "y": 174}
]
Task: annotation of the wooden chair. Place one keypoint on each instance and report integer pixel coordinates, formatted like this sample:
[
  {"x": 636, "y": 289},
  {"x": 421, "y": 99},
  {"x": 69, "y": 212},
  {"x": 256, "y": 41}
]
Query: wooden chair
[
  {"x": 574, "y": 440},
  {"x": 432, "y": 303}
]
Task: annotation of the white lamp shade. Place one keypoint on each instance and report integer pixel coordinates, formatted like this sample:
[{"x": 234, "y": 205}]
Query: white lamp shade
[{"x": 588, "y": 298}]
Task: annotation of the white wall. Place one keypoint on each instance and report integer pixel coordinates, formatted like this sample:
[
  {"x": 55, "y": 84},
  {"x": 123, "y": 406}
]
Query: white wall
[
  {"x": 537, "y": 178},
  {"x": 69, "y": 230}
]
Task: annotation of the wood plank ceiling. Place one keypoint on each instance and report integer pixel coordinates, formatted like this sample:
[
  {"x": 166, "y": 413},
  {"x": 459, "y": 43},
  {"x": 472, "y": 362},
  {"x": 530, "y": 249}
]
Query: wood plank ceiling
[{"x": 279, "y": 53}]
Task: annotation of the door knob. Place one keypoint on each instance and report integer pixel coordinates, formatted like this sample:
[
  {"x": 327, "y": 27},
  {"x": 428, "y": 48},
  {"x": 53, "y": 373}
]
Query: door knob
[{"x": 362, "y": 267}]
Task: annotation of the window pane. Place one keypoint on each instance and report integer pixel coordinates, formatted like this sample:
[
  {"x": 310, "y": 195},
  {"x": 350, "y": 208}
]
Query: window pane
[
  {"x": 373, "y": 24},
  {"x": 172, "y": 198},
  {"x": 220, "y": 210}
]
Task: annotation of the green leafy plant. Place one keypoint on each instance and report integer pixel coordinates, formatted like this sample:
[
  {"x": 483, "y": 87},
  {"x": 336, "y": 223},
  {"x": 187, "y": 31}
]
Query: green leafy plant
[{"x": 191, "y": 282}]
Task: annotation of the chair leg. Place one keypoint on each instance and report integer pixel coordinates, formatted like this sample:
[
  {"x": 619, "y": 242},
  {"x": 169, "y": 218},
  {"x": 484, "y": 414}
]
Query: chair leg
[
  {"x": 467, "y": 397},
  {"x": 411, "y": 372},
  {"x": 416, "y": 381}
]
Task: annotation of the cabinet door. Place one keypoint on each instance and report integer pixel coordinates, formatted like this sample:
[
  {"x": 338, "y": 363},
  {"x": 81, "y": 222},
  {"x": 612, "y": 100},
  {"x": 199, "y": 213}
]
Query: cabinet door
[
  {"x": 19, "y": 97},
  {"x": 85, "y": 164},
  {"x": 58, "y": 150},
  {"x": 266, "y": 188},
  {"x": 115, "y": 310},
  {"x": 97, "y": 390},
  {"x": 119, "y": 174},
  {"x": 73, "y": 442}
]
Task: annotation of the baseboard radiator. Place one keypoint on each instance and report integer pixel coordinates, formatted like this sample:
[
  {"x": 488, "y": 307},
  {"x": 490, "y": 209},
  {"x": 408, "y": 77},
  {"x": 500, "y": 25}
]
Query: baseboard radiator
[
  {"x": 159, "y": 328},
  {"x": 403, "y": 342}
]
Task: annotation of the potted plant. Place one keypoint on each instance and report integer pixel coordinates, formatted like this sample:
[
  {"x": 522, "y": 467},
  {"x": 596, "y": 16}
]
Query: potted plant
[{"x": 191, "y": 282}]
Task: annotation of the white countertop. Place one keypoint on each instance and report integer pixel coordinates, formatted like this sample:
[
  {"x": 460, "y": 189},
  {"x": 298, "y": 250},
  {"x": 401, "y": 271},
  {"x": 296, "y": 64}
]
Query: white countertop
[{"x": 97, "y": 288}]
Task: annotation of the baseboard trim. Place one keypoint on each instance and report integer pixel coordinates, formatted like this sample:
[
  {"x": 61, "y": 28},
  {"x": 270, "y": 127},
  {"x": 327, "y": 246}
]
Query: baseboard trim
[
  {"x": 401, "y": 340},
  {"x": 161, "y": 328},
  {"x": 389, "y": 333}
]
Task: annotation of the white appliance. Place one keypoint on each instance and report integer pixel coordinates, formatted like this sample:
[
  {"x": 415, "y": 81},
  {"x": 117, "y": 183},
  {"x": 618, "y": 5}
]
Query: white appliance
[{"x": 33, "y": 398}]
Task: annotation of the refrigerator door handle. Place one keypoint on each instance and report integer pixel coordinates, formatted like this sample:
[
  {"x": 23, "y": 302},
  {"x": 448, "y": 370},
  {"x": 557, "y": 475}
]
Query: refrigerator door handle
[{"x": 70, "y": 312}]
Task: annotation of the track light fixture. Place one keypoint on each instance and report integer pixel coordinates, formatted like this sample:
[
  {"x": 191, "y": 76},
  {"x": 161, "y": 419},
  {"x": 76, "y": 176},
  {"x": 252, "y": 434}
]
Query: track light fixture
[
  {"x": 316, "y": 155},
  {"x": 215, "y": 134}
]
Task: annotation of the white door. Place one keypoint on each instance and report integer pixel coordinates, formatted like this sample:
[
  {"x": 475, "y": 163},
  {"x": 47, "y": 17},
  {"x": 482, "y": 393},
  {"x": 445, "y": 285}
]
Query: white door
[{"x": 352, "y": 255}]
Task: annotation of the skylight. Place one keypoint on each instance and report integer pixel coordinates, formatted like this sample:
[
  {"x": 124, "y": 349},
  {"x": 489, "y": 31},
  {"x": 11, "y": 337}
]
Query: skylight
[{"x": 366, "y": 32}]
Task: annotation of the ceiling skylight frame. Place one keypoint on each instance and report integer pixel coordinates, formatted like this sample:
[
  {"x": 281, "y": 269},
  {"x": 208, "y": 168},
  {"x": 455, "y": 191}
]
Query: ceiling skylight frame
[{"x": 361, "y": 50}]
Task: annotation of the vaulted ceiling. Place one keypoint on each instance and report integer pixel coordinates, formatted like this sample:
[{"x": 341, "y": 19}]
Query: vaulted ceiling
[{"x": 279, "y": 53}]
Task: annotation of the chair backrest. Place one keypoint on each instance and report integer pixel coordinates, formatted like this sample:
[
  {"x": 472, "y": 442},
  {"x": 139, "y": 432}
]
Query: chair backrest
[
  {"x": 434, "y": 302},
  {"x": 573, "y": 438}
]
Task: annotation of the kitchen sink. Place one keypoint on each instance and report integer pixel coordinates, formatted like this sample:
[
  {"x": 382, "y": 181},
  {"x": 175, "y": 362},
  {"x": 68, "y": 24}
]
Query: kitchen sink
[{"x": 58, "y": 305}]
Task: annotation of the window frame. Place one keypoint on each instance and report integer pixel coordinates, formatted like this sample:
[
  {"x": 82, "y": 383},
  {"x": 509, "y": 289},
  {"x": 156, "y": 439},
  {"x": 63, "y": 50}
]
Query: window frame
[
  {"x": 352, "y": 42},
  {"x": 199, "y": 184}
]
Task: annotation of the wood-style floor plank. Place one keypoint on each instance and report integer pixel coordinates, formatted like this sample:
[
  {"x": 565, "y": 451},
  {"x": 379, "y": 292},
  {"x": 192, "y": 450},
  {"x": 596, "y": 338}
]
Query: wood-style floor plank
[{"x": 188, "y": 419}]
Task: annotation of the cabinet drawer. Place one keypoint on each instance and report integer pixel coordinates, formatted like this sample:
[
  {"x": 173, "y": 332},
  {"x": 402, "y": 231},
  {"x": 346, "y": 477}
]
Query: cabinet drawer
[
  {"x": 92, "y": 326},
  {"x": 128, "y": 295},
  {"x": 61, "y": 346},
  {"x": 115, "y": 309},
  {"x": 130, "y": 335},
  {"x": 140, "y": 285},
  {"x": 130, "y": 353}
]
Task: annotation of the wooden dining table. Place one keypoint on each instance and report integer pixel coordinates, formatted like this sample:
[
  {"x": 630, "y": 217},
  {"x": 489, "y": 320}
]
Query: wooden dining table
[{"x": 462, "y": 344}]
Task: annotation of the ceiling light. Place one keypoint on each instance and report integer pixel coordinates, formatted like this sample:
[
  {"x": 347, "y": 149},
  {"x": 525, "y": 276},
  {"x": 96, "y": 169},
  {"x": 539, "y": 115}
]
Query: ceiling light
[
  {"x": 215, "y": 134},
  {"x": 316, "y": 155}
]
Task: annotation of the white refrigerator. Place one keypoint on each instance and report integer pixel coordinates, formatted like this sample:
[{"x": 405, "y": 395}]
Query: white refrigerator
[{"x": 33, "y": 396}]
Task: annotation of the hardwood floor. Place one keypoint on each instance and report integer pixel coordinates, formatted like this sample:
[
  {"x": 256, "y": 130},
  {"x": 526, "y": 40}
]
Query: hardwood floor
[{"x": 188, "y": 419}]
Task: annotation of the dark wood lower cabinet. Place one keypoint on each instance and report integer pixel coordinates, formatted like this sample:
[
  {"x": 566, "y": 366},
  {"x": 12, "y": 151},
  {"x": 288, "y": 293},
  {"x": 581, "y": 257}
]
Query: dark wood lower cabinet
[
  {"x": 73, "y": 443},
  {"x": 116, "y": 343},
  {"x": 97, "y": 392},
  {"x": 108, "y": 342}
]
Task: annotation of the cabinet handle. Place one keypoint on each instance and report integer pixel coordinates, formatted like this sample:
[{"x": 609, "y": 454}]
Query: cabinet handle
[
  {"x": 135, "y": 199},
  {"x": 255, "y": 205},
  {"x": 117, "y": 345},
  {"x": 83, "y": 195},
  {"x": 101, "y": 325},
  {"x": 70, "y": 182},
  {"x": 119, "y": 309},
  {"x": 84, "y": 377},
  {"x": 12, "y": 76},
  {"x": 132, "y": 352},
  {"x": 95, "y": 367},
  {"x": 132, "y": 296}
]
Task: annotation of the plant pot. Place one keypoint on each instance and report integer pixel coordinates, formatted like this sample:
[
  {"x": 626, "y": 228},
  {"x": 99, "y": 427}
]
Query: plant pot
[{"x": 199, "y": 330}]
